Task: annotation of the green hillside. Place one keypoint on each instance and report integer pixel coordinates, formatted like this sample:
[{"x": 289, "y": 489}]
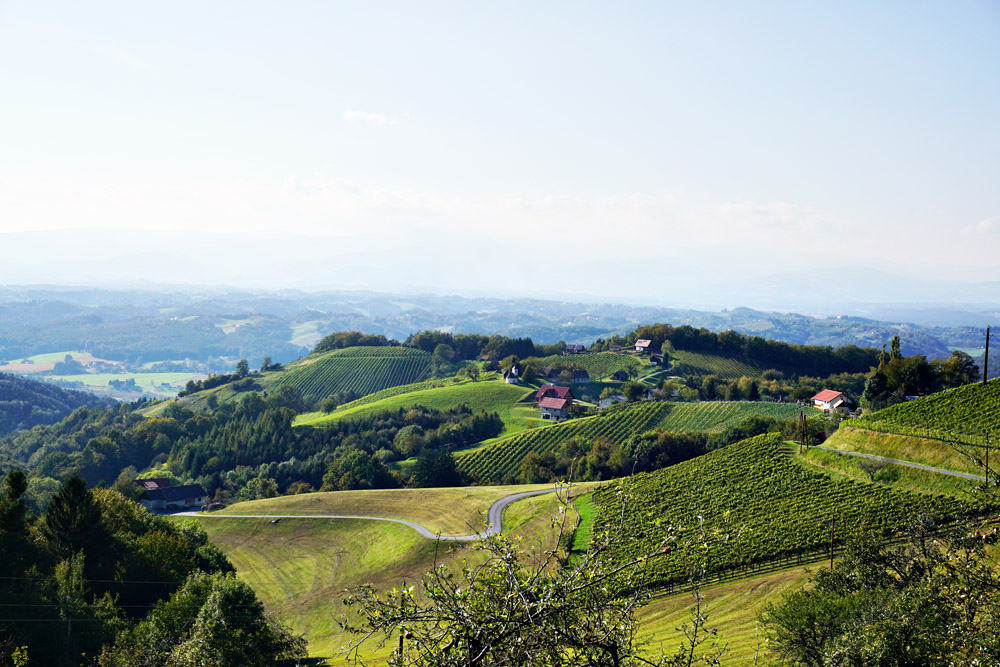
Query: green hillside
[
  {"x": 699, "y": 363},
  {"x": 756, "y": 503},
  {"x": 363, "y": 370},
  {"x": 600, "y": 364},
  {"x": 970, "y": 409},
  {"x": 503, "y": 457},
  {"x": 483, "y": 396}
]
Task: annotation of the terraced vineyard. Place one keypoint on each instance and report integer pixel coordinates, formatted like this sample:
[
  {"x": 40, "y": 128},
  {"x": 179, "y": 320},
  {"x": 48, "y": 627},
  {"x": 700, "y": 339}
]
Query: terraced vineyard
[
  {"x": 599, "y": 365},
  {"x": 972, "y": 409},
  {"x": 729, "y": 368},
  {"x": 504, "y": 457},
  {"x": 717, "y": 416},
  {"x": 363, "y": 370},
  {"x": 757, "y": 504}
]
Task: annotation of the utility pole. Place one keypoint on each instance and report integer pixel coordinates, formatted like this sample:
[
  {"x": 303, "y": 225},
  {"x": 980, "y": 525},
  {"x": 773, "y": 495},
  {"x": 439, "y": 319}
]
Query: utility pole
[
  {"x": 833, "y": 522},
  {"x": 986, "y": 357}
]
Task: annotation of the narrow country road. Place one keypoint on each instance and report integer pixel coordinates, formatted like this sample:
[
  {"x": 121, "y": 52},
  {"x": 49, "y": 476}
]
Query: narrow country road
[
  {"x": 494, "y": 517},
  {"x": 904, "y": 463}
]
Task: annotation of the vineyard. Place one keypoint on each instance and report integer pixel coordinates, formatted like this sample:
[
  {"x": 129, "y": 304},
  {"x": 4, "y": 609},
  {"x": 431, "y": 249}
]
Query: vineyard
[
  {"x": 598, "y": 366},
  {"x": 717, "y": 416},
  {"x": 756, "y": 504},
  {"x": 728, "y": 368},
  {"x": 502, "y": 458},
  {"x": 971, "y": 409},
  {"x": 363, "y": 370},
  {"x": 482, "y": 396}
]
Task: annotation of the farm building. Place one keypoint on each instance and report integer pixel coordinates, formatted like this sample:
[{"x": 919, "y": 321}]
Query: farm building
[
  {"x": 581, "y": 376},
  {"x": 172, "y": 498},
  {"x": 576, "y": 349},
  {"x": 608, "y": 401},
  {"x": 513, "y": 376},
  {"x": 554, "y": 408},
  {"x": 643, "y": 345},
  {"x": 829, "y": 400},
  {"x": 550, "y": 391},
  {"x": 550, "y": 373},
  {"x": 655, "y": 359},
  {"x": 153, "y": 483},
  {"x": 619, "y": 376},
  {"x": 614, "y": 347}
]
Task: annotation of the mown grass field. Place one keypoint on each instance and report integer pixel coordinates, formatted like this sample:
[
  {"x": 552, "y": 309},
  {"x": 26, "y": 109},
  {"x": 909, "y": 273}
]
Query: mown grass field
[
  {"x": 906, "y": 448},
  {"x": 888, "y": 474},
  {"x": 301, "y": 567},
  {"x": 728, "y": 368},
  {"x": 41, "y": 363},
  {"x": 970, "y": 409},
  {"x": 482, "y": 396},
  {"x": 732, "y": 609}
]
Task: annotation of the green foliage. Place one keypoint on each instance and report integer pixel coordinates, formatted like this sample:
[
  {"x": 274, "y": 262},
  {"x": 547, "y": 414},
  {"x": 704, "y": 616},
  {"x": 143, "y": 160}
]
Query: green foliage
[
  {"x": 26, "y": 403},
  {"x": 211, "y": 621},
  {"x": 763, "y": 502},
  {"x": 435, "y": 468},
  {"x": 932, "y": 602},
  {"x": 700, "y": 363},
  {"x": 343, "y": 339}
]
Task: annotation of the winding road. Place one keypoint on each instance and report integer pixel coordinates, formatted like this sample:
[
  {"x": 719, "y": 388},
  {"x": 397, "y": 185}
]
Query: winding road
[
  {"x": 903, "y": 463},
  {"x": 494, "y": 517}
]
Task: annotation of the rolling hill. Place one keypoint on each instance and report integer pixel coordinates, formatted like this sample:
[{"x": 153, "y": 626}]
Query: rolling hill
[
  {"x": 26, "y": 403},
  {"x": 501, "y": 458},
  {"x": 756, "y": 504},
  {"x": 482, "y": 396}
]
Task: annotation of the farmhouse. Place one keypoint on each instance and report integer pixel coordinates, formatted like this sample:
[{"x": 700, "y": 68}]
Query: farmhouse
[
  {"x": 619, "y": 376},
  {"x": 614, "y": 347},
  {"x": 643, "y": 345},
  {"x": 608, "y": 401},
  {"x": 554, "y": 408},
  {"x": 581, "y": 376},
  {"x": 171, "y": 498},
  {"x": 152, "y": 483},
  {"x": 552, "y": 391},
  {"x": 829, "y": 400},
  {"x": 576, "y": 349}
]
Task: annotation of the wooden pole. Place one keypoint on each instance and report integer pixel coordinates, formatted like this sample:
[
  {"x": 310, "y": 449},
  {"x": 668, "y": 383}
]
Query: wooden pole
[
  {"x": 833, "y": 520},
  {"x": 986, "y": 357}
]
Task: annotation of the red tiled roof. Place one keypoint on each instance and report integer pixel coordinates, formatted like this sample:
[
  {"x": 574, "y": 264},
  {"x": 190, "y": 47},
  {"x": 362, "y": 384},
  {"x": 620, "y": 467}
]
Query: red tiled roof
[
  {"x": 643, "y": 342},
  {"x": 826, "y": 395},
  {"x": 551, "y": 390},
  {"x": 554, "y": 403}
]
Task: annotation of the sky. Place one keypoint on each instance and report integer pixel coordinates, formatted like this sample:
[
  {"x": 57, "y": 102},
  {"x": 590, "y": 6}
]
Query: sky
[{"x": 511, "y": 147}]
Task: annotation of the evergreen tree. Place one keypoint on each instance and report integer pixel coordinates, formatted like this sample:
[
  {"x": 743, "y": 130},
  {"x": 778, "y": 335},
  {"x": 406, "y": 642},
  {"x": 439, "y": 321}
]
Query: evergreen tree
[{"x": 72, "y": 521}]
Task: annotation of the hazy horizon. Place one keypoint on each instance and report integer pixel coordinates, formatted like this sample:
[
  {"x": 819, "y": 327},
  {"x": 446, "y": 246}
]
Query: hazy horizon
[{"x": 659, "y": 151}]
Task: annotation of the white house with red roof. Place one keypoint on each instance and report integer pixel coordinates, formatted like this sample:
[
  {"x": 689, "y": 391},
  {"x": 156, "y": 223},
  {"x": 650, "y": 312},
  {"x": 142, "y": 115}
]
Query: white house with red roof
[
  {"x": 829, "y": 400},
  {"x": 643, "y": 345},
  {"x": 554, "y": 408}
]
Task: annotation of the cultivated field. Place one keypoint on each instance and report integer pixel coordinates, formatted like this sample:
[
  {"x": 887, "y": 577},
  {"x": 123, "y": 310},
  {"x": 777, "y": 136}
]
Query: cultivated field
[{"x": 728, "y": 368}]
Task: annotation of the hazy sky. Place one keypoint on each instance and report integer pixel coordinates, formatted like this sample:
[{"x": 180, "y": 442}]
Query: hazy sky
[{"x": 520, "y": 142}]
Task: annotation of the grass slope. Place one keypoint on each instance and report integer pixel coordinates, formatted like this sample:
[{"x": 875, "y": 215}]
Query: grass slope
[
  {"x": 762, "y": 503},
  {"x": 971, "y": 409},
  {"x": 483, "y": 396},
  {"x": 301, "y": 567},
  {"x": 925, "y": 451}
]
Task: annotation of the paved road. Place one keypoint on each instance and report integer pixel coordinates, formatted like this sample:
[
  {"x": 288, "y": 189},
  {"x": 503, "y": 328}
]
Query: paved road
[
  {"x": 494, "y": 517},
  {"x": 904, "y": 463}
]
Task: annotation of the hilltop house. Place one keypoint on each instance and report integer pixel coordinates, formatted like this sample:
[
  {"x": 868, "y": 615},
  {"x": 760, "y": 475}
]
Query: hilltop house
[
  {"x": 643, "y": 345},
  {"x": 173, "y": 498},
  {"x": 153, "y": 483},
  {"x": 576, "y": 349},
  {"x": 829, "y": 400},
  {"x": 554, "y": 408},
  {"x": 614, "y": 347}
]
